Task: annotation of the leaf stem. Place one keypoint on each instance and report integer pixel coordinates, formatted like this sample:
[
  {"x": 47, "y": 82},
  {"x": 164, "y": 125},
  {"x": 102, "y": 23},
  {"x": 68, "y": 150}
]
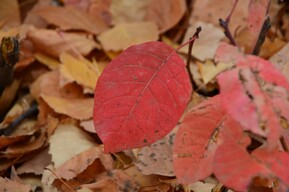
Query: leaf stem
[
  {"x": 225, "y": 25},
  {"x": 192, "y": 39}
]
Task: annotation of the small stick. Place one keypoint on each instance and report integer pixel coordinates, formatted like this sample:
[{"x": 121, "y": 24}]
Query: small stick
[{"x": 60, "y": 179}]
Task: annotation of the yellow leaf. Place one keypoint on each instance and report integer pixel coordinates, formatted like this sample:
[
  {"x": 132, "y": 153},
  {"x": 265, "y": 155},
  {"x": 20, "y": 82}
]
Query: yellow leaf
[
  {"x": 50, "y": 62},
  {"x": 81, "y": 71}
]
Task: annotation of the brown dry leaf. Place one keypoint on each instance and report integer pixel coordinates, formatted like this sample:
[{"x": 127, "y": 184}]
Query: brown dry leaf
[
  {"x": 137, "y": 10},
  {"x": 123, "y": 35},
  {"x": 206, "y": 46},
  {"x": 10, "y": 186},
  {"x": 88, "y": 126},
  {"x": 77, "y": 164},
  {"x": 47, "y": 60},
  {"x": 8, "y": 95},
  {"x": 209, "y": 70},
  {"x": 166, "y": 13},
  {"x": 141, "y": 179},
  {"x": 37, "y": 164},
  {"x": 54, "y": 42},
  {"x": 270, "y": 47},
  {"x": 34, "y": 143},
  {"x": 33, "y": 19},
  {"x": 9, "y": 14},
  {"x": 68, "y": 18},
  {"x": 281, "y": 60},
  {"x": 113, "y": 181},
  {"x": 201, "y": 187},
  {"x": 79, "y": 70},
  {"x": 67, "y": 141},
  {"x": 80, "y": 109},
  {"x": 49, "y": 84},
  {"x": 158, "y": 157},
  {"x": 210, "y": 11}
]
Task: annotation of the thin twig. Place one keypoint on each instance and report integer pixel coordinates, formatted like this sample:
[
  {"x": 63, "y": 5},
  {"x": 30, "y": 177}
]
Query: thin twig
[{"x": 60, "y": 179}]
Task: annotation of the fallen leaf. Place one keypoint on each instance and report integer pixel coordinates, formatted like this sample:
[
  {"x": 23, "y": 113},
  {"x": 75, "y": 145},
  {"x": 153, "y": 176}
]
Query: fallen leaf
[
  {"x": 68, "y": 18},
  {"x": 8, "y": 185},
  {"x": 166, "y": 13},
  {"x": 140, "y": 95},
  {"x": 123, "y": 35},
  {"x": 88, "y": 126},
  {"x": 209, "y": 70},
  {"x": 54, "y": 42},
  {"x": 9, "y": 14},
  {"x": 206, "y": 46},
  {"x": 78, "y": 70},
  {"x": 194, "y": 149},
  {"x": 79, "y": 163},
  {"x": 67, "y": 141},
  {"x": 37, "y": 164},
  {"x": 47, "y": 60},
  {"x": 113, "y": 181},
  {"x": 281, "y": 60},
  {"x": 137, "y": 10},
  {"x": 76, "y": 108},
  {"x": 158, "y": 157}
]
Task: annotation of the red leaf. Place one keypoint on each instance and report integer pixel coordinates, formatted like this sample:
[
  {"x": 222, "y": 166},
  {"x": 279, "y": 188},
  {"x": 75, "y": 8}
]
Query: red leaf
[
  {"x": 255, "y": 106},
  {"x": 235, "y": 167},
  {"x": 193, "y": 152},
  {"x": 140, "y": 96}
]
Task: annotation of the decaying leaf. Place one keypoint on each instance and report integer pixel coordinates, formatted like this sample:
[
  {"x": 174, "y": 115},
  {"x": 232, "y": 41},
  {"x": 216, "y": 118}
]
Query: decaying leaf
[
  {"x": 158, "y": 157},
  {"x": 8, "y": 185},
  {"x": 9, "y": 14}
]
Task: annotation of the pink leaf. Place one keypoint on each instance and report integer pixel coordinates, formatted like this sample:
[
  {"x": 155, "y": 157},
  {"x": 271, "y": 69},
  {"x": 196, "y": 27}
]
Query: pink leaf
[
  {"x": 140, "y": 96},
  {"x": 235, "y": 167},
  {"x": 193, "y": 152},
  {"x": 255, "y": 106}
]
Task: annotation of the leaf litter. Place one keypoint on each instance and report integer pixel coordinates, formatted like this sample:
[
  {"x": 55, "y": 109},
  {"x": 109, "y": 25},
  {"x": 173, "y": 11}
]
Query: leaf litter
[{"x": 64, "y": 48}]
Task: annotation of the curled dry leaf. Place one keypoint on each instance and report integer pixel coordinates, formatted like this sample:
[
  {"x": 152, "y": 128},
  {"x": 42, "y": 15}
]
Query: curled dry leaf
[
  {"x": 123, "y": 35},
  {"x": 165, "y": 13},
  {"x": 113, "y": 181},
  {"x": 158, "y": 157},
  {"x": 68, "y": 17},
  {"x": 76, "y": 108},
  {"x": 77, "y": 164},
  {"x": 36, "y": 164},
  {"x": 9, "y": 185},
  {"x": 78, "y": 70},
  {"x": 54, "y": 42},
  {"x": 67, "y": 141}
]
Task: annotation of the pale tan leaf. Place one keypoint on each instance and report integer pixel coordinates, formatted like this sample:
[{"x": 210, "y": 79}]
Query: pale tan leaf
[
  {"x": 67, "y": 141},
  {"x": 166, "y": 13},
  {"x": 206, "y": 46},
  {"x": 8, "y": 185},
  {"x": 158, "y": 157},
  {"x": 281, "y": 60},
  {"x": 68, "y": 17},
  {"x": 137, "y": 10},
  {"x": 88, "y": 126},
  {"x": 54, "y": 42},
  {"x": 123, "y": 35},
  {"x": 76, "y": 108},
  {"x": 78, "y": 70}
]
